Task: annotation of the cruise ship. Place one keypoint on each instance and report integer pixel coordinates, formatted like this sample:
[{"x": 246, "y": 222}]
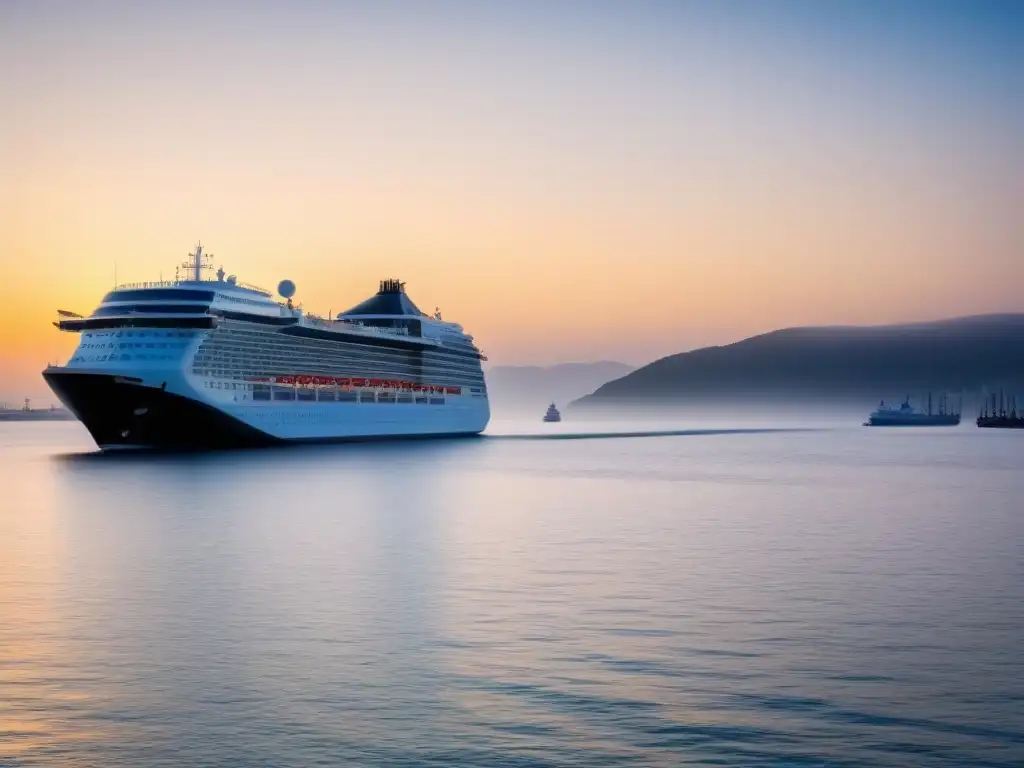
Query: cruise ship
[{"x": 205, "y": 361}]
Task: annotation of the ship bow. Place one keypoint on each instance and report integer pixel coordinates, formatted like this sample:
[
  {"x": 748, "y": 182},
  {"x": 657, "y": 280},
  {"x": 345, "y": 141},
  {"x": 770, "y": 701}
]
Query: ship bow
[{"x": 123, "y": 413}]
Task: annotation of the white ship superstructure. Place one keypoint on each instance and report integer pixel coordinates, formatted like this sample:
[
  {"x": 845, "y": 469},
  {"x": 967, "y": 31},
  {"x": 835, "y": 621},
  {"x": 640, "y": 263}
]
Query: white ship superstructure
[{"x": 197, "y": 363}]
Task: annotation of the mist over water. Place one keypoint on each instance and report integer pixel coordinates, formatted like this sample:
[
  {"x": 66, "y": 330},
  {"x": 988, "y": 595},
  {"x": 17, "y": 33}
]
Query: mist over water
[
  {"x": 727, "y": 413},
  {"x": 764, "y": 591}
]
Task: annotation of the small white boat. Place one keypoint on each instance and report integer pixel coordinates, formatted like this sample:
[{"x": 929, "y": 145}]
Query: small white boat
[{"x": 552, "y": 414}]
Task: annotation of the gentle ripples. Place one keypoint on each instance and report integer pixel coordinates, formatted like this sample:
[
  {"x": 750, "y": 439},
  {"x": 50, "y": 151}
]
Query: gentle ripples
[{"x": 841, "y": 597}]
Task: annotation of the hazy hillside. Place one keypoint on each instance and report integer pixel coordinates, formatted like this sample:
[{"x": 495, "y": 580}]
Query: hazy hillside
[
  {"x": 531, "y": 388},
  {"x": 847, "y": 363}
]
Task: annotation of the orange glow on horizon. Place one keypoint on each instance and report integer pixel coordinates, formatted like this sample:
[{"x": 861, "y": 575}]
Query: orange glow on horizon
[{"x": 561, "y": 203}]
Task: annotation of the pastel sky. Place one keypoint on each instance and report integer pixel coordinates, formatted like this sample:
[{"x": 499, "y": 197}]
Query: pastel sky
[{"x": 570, "y": 180}]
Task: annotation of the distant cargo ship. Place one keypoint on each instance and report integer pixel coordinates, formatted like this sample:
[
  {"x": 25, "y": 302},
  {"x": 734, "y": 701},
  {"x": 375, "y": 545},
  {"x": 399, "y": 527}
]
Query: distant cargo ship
[
  {"x": 909, "y": 416},
  {"x": 552, "y": 414},
  {"x": 28, "y": 413},
  {"x": 1003, "y": 414}
]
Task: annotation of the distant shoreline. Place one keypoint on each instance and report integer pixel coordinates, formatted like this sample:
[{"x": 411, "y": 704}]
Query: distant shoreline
[
  {"x": 830, "y": 365},
  {"x": 55, "y": 414}
]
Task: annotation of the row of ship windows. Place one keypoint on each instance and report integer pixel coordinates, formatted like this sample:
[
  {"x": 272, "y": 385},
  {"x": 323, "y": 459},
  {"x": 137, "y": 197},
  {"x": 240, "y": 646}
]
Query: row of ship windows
[
  {"x": 460, "y": 344},
  {"x": 233, "y": 356},
  {"x": 443, "y": 380},
  {"x": 334, "y": 351},
  {"x": 240, "y": 369},
  {"x": 149, "y": 294},
  {"x": 262, "y": 392},
  {"x": 135, "y": 345},
  {"x": 321, "y": 366},
  {"x": 305, "y": 395},
  {"x": 217, "y": 351},
  {"x": 120, "y": 358},
  {"x": 245, "y": 343},
  {"x": 249, "y": 346},
  {"x": 140, "y": 334},
  {"x": 266, "y": 303},
  {"x": 227, "y": 330},
  {"x": 259, "y": 366}
]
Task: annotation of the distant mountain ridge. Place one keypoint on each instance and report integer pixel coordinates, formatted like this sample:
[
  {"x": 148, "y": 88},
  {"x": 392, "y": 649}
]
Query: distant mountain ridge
[
  {"x": 533, "y": 387},
  {"x": 847, "y": 362}
]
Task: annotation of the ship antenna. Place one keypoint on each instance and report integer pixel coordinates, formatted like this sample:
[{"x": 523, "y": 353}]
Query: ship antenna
[{"x": 194, "y": 265}]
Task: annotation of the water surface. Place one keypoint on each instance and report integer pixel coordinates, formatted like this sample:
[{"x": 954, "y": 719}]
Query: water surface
[{"x": 829, "y": 597}]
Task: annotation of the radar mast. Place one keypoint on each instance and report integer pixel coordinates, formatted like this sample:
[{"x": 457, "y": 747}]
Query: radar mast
[{"x": 197, "y": 262}]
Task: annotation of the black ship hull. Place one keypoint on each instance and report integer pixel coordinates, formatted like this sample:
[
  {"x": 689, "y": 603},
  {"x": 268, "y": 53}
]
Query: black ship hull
[
  {"x": 122, "y": 414},
  {"x": 896, "y": 420},
  {"x": 1001, "y": 422}
]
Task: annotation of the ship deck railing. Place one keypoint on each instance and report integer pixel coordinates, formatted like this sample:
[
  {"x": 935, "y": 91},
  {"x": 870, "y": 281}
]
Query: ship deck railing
[
  {"x": 150, "y": 284},
  {"x": 178, "y": 283},
  {"x": 349, "y": 325}
]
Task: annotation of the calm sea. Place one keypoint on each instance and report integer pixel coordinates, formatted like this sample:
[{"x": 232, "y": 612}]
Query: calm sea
[{"x": 831, "y": 597}]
